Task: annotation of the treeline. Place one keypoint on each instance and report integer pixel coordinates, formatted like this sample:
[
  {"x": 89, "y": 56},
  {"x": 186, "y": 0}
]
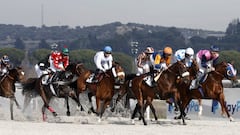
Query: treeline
[{"x": 119, "y": 36}]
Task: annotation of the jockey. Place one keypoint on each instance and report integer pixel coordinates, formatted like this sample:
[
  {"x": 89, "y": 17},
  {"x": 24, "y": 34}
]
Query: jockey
[
  {"x": 40, "y": 69},
  {"x": 4, "y": 65},
  {"x": 143, "y": 61},
  {"x": 160, "y": 61},
  {"x": 185, "y": 55},
  {"x": 206, "y": 60},
  {"x": 103, "y": 61},
  {"x": 58, "y": 62}
]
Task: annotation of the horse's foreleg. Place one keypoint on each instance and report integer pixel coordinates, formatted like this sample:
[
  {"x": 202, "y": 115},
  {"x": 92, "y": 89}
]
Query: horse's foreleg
[
  {"x": 222, "y": 102},
  {"x": 68, "y": 112},
  {"x": 46, "y": 104},
  {"x": 200, "y": 107},
  {"x": 44, "y": 116},
  {"x": 153, "y": 110},
  {"x": 182, "y": 113},
  {"x": 141, "y": 111},
  {"x": 183, "y": 105},
  {"x": 75, "y": 97},
  {"x": 99, "y": 108},
  {"x": 102, "y": 108},
  {"x": 134, "y": 113},
  {"x": 26, "y": 103},
  {"x": 18, "y": 106},
  {"x": 11, "y": 107},
  {"x": 90, "y": 95}
]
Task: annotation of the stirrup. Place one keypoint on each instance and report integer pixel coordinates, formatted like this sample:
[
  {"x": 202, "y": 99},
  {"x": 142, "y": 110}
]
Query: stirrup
[{"x": 154, "y": 84}]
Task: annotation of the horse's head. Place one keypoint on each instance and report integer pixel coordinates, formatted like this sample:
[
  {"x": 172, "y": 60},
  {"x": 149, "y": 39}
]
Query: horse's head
[
  {"x": 80, "y": 68},
  {"x": 193, "y": 69},
  {"x": 74, "y": 70},
  {"x": 180, "y": 70},
  {"x": 17, "y": 74},
  {"x": 227, "y": 70},
  {"x": 118, "y": 73}
]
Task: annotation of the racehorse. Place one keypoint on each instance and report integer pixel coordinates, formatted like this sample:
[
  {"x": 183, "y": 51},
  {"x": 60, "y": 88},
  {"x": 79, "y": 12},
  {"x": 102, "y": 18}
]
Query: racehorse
[
  {"x": 33, "y": 87},
  {"x": 104, "y": 89},
  {"x": 165, "y": 89},
  {"x": 211, "y": 88},
  {"x": 7, "y": 86}
]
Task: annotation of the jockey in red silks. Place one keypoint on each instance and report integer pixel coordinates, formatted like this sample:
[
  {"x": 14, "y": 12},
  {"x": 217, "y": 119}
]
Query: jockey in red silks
[
  {"x": 206, "y": 60},
  {"x": 58, "y": 62}
]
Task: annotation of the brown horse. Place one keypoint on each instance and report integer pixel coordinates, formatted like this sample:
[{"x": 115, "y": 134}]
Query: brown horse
[
  {"x": 165, "y": 89},
  {"x": 104, "y": 89},
  {"x": 211, "y": 88},
  {"x": 7, "y": 87}
]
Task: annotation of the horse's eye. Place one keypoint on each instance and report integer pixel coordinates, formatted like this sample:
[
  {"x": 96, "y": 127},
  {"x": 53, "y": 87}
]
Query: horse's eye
[{"x": 229, "y": 73}]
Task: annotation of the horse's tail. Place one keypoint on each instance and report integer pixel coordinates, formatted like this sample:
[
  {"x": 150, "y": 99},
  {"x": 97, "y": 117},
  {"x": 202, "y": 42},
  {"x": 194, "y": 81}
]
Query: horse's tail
[{"x": 29, "y": 87}]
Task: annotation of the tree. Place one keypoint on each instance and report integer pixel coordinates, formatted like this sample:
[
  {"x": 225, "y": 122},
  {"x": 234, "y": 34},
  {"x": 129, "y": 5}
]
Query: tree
[
  {"x": 43, "y": 44},
  {"x": 19, "y": 44}
]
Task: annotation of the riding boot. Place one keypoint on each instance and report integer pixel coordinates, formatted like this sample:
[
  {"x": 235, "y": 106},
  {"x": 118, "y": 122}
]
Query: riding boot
[
  {"x": 195, "y": 83},
  {"x": 96, "y": 76},
  {"x": 55, "y": 76},
  {"x": 154, "y": 84}
]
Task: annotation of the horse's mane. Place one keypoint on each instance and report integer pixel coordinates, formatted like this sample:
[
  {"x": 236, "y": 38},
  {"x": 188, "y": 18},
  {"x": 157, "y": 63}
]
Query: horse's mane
[
  {"x": 130, "y": 76},
  {"x": 114, "y": 63}
]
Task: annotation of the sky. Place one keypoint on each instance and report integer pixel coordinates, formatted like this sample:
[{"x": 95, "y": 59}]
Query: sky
[{"x": 197, "y": 14}]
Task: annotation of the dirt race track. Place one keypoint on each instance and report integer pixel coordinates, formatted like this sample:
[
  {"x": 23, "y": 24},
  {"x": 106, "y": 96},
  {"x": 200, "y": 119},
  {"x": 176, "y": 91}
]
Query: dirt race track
[
  {"x": 88, "y": 125},
  {"x": 30, "y": 123}
]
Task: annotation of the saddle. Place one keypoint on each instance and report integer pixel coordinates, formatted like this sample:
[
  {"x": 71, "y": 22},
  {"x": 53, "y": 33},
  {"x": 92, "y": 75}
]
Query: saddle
[
  {"x": 203, "y": 79},
  {"x": 95, "y": 78}
]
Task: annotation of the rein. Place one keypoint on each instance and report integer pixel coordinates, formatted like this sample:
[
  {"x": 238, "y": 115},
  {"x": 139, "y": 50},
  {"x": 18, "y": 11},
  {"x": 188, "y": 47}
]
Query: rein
[
  {"x": 10, "y": 77},
  {"x": 219, "y": 73}
]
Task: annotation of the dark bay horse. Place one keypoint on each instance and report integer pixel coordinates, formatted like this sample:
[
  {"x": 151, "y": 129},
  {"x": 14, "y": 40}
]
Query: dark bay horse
[
  {"x": 211, "y": 88},
  {"x": 7, "y": 87},
  {"x": 165, "y": 89},
  {"x": 33, "y": 87},
  {"x": 104, "y": 89}
]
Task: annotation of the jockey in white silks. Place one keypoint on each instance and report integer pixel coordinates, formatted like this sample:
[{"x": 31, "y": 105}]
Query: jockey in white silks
[
  {"x": 103, "y": 61},
  {"x": 40, "y": 69},
  {"x": 185, "y": 55}
]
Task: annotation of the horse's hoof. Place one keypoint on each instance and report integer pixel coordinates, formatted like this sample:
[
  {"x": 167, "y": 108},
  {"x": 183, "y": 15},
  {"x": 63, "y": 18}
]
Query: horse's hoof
[
  {"x": 187, "y": 118},
  {"x": 78, "y": 108},
  {"x": 231, "y": 119},
  {"x": 54, "y": 114},
  {"x": 68, "y": 113},
  {"x": 99, "y": 120},
  {"x": 184, "y": 123},
  {"x": 177, "y": 117},
  {"x": 112, "y": 109},
  {"x": 133, "y": 122},
  {"x": 177, "y": 112}
]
